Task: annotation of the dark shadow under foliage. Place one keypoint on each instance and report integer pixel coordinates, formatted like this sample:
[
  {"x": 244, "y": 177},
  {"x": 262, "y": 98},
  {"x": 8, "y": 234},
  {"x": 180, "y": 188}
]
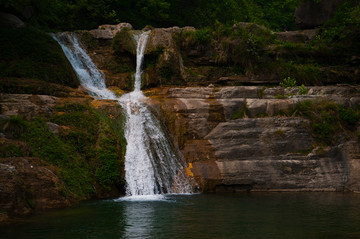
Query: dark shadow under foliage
[
  {"x": 86, "y": 14},
  {"x": 32, "y": 54}
]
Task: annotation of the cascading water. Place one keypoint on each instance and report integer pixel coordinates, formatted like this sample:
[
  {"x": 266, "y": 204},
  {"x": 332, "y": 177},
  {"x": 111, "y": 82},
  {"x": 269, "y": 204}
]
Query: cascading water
[{"x": 152, "y": 166}]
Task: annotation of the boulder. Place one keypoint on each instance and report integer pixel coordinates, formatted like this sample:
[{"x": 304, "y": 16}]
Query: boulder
[
  {"x": 310, "y": 14},
  {"x": 27, "y": 184},
  {"x": 53, "y": 127},
  {"x": 162, "y": 49},
  {"x": 108, "y": 32},
  {"x": 10, "y": 20},
  {"x": 124, "y": 42}
]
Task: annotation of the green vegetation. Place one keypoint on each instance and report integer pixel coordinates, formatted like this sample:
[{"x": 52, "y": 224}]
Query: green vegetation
[
  {"x": 31, "y": 53},
  {"x": 86, "y": 14},
  {"x": 288, "y": 82},
  {"x": 124, "y": 42},
  {"x": 342, "y": 32},
  {"x": 303, "y": 90},
  {"x": 87, "y": 151},
  {"x": 327, "y": 119},
  {"x": 8, "y": 150},
  {"x": 199, "y": 37}
]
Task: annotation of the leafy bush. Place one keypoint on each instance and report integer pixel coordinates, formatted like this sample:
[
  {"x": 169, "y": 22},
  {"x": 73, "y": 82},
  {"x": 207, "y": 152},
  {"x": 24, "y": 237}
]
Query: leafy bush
[
  {"x": 288, "y": 82},
  {"x": 327, "y": 119},
  {"x": 348, "y": 115},
  {"x": 303, "y": 90},
  {"x": 342, "y": 32}
]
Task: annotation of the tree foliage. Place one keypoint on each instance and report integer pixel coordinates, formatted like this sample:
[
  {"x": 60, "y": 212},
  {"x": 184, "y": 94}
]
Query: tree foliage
[{"x": 82, "y": 14}]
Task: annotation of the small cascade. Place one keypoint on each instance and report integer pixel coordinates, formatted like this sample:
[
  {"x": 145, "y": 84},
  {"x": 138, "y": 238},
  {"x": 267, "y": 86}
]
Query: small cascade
[
  {"x": 89, "y": 76},
  {"x": 141, "y": 46},
  {"x": 152, "y": 166}
]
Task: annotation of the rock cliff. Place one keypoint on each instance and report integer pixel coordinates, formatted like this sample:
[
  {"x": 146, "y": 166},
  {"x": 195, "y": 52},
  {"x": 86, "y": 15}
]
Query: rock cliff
[{"x": 258, "y": 151}]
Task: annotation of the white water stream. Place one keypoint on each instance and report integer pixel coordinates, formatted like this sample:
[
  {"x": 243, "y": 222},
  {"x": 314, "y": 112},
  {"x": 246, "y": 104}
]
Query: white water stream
[{"x": 152, "y": 166}]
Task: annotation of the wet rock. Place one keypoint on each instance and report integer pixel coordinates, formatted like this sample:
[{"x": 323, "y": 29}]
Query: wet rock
[
  {"x": 53, "y": 127},
  {"x": 26, "y": 184}
]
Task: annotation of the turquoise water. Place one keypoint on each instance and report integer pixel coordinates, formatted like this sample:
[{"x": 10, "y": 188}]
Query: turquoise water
[{"x": 248, "y": 215}]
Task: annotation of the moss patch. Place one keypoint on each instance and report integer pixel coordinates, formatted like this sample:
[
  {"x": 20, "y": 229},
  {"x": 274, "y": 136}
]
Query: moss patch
[{"x": 87, "y": 152}]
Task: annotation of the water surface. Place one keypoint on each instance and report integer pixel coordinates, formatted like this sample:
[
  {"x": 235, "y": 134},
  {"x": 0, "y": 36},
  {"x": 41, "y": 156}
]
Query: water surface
[{"x": 248, "y": 215}]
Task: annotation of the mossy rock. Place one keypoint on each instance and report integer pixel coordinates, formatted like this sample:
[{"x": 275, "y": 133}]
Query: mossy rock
[{"x": 124, "y": 42}]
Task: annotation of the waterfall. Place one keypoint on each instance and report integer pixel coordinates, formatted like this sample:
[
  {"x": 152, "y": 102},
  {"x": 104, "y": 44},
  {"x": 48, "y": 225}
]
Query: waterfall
[
  {"x": 152, "y": 166},
  {"x": 88, "y": 74}
]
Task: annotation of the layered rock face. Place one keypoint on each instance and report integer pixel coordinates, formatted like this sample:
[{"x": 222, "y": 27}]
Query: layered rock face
[{"x": 254, "y": 152}]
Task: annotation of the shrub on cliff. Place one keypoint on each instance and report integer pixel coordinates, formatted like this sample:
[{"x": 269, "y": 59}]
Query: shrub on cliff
[
  {"x": 343, "y": 30},
  {"x": 327, "y": 119}
]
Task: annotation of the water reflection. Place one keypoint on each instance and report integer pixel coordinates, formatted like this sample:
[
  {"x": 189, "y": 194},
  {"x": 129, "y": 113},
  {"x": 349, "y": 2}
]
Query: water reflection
[
  {"x": 139, "y": 218},
  {"x": 255, "y": 215}
]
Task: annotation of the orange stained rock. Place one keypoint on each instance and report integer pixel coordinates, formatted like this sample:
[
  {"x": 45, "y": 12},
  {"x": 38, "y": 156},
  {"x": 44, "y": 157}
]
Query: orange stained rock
[
  {"x": 188, "y": 170},
  {"x": 98, "y": 103}
]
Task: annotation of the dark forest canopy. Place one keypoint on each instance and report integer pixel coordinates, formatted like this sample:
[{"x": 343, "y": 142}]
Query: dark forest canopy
[{"x": 86, "y": 14}]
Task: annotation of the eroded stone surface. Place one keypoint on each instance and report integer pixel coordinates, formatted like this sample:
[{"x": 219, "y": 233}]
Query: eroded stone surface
[
  {"x": 26, "y": 105},
  {"x": 251, "y": 153}
]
